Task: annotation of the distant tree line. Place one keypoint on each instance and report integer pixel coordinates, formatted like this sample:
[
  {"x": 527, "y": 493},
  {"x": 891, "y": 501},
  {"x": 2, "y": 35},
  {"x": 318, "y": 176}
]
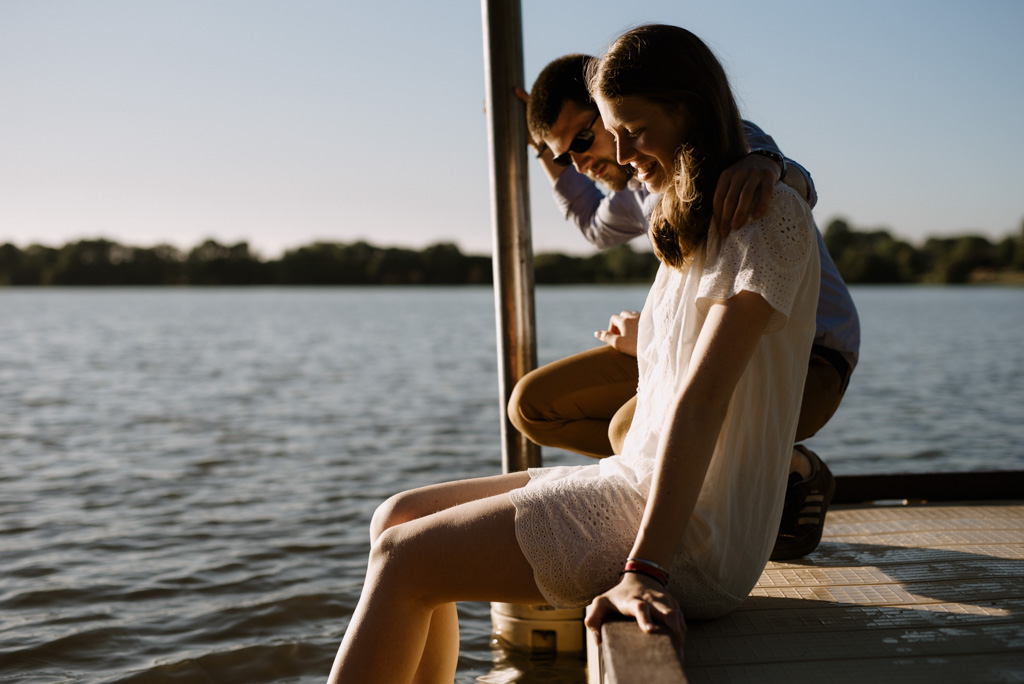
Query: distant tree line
[
  {"x": 104, "y": 262},
  {"x": 861, "y": 257},
  {"x": 879, "y": 257}
]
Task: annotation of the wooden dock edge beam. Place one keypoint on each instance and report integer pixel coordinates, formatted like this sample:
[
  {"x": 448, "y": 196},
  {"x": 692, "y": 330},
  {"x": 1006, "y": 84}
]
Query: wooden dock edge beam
[
  {"x": 627, "y": 656},
  {"x": 963, "y": 486}
]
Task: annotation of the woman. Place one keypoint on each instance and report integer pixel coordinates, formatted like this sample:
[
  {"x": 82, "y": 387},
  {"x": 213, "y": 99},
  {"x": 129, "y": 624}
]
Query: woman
[{"x": 684, "y": 519}]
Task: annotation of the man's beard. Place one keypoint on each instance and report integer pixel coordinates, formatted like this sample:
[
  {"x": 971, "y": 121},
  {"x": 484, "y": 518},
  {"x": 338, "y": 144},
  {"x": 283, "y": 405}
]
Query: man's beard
[{"x": 616, "y": 177}]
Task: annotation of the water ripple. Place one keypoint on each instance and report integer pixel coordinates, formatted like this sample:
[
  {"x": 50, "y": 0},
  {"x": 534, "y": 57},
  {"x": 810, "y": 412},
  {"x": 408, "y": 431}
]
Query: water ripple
[{"x": 189, "y": 475}]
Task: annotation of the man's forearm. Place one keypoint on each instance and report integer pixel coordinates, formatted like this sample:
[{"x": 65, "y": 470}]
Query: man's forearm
[
  {"x": 796, "y": 180},
  {"x": 797, "y": 177},
  {"x": 603, "y": 220},
  {"x": 552, "y": 170}
]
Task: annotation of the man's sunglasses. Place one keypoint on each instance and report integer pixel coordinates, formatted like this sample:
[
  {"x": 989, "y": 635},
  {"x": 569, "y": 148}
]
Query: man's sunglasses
[{"x": 580, "y": 144}]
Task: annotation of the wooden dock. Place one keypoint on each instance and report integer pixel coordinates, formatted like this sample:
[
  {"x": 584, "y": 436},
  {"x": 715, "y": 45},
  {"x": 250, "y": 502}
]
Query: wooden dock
[{"x": 895, "y": 593}]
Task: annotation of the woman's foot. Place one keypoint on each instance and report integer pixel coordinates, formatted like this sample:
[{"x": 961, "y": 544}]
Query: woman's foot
[{"x": 810, "y": 490}]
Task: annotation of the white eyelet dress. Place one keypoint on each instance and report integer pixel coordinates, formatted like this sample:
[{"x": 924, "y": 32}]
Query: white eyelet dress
[{"x": 577, "y": 524}]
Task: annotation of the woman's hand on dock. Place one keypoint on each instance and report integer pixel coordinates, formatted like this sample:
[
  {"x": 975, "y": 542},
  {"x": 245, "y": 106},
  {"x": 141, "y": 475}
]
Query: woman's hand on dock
[{"x": 643, "y": 598}]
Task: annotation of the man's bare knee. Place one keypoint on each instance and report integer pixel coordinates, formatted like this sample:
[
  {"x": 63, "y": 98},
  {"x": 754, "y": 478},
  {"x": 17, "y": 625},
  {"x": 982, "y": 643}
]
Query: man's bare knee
[
  {"x": 619, "y": 425},
  {"x": 523, "y": 403}
]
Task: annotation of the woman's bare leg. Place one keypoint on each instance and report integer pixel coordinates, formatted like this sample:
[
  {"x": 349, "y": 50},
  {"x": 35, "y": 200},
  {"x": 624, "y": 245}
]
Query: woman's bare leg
[
  {"x": 440, "y": 658},
  {"x": 433, "y": 546},
  {"x": 441, "y": 652}
]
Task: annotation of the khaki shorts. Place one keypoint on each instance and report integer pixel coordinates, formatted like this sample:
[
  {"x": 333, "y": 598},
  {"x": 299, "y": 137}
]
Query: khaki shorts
[{"x": 585, "y": 402}]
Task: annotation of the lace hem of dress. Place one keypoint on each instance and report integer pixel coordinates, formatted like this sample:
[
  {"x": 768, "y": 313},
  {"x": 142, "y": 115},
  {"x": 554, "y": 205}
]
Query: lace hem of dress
[
  {"x": 575, "y": 531},
  {"x": 576, "y": 536}
]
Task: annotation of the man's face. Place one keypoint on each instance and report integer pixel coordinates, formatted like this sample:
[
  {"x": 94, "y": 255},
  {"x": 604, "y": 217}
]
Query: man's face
[{"x": 598, "y": 161}]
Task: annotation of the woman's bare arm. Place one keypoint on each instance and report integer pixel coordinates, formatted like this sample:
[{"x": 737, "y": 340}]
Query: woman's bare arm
[{"x": 726, "y": 342}]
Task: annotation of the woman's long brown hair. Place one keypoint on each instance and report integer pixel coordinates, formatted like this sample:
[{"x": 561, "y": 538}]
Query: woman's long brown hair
[{"x": 672, "y": 66}]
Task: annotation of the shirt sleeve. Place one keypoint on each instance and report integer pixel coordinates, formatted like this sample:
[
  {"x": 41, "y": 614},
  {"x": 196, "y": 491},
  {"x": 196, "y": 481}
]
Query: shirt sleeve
[
  {"x": 605, "y": 221},
  {"x": 757, "y": 138},
  {"x": 768, "y": 256}
]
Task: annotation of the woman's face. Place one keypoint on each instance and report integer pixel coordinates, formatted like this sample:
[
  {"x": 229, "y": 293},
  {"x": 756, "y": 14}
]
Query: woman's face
[{"x": 648, "y": 135}]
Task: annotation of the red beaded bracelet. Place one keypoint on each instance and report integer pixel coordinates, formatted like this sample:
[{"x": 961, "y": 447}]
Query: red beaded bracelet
[{"x": 648, "y": 569}]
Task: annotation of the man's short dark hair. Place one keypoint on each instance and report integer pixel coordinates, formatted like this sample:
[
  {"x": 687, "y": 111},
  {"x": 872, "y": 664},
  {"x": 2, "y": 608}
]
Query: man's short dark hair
[{"x": 561, "y": 81}]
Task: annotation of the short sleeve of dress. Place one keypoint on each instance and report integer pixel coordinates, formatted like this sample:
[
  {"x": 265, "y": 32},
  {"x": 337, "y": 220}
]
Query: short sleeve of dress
[{"x": 767, "y": 256}]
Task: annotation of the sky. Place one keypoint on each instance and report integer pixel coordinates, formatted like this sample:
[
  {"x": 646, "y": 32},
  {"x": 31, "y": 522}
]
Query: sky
[{"x": 284, "y": 122}]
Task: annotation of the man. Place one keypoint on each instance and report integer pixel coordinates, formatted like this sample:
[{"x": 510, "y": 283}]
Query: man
[{"x": 585, "y": 402}]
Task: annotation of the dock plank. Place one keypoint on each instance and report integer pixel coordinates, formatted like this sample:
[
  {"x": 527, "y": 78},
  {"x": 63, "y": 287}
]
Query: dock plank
[
  {"x": 893, "y": 594},
  {"x": 629, "y": 656}
]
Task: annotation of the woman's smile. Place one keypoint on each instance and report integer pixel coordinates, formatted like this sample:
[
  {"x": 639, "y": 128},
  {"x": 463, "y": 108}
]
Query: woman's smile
[
  {"x": 645, "y": 172},
  {"x": 648, "y": 136}
]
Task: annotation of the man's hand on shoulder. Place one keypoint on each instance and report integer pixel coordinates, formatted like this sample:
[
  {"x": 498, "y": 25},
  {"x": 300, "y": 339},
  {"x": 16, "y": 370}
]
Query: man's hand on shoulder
[{"x": 744, "y": 192}]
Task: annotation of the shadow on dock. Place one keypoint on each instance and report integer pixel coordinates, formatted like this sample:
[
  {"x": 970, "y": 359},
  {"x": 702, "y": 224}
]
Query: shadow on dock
[{"x": 893, "y": 594}]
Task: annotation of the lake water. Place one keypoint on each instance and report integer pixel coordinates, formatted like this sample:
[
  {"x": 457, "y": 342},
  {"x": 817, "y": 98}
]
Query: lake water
[{"x": 187, "y": 476}]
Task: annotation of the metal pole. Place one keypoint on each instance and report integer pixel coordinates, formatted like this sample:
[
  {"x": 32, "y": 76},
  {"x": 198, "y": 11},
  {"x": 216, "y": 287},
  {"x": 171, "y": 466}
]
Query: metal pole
[
  {"x": 510, "y": 217},
  {"x": 532, "y": 628}
]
